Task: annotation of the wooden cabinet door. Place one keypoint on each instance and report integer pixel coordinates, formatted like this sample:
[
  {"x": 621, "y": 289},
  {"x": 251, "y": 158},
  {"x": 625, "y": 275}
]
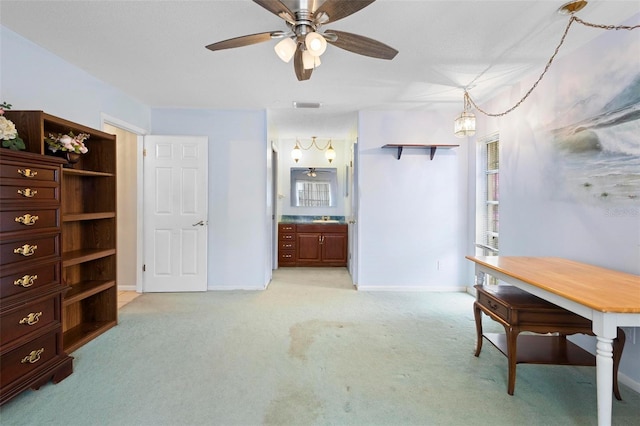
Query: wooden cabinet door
[
  {"x": 334, "y": 248},
  {"x": 309, "y": 249}
]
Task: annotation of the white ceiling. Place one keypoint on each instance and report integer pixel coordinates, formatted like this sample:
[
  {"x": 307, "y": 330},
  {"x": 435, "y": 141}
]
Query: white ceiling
[{"x": 155, "y": 52}]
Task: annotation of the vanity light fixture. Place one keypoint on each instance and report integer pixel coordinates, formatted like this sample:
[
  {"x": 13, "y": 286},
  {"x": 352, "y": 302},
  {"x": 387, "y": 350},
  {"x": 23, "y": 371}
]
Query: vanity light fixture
[{"x": 330, "y": 153}]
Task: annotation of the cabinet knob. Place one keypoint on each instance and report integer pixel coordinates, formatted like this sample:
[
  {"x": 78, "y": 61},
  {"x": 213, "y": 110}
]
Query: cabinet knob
[
  {"x": 26, "y": 250},
  {"x": 33, "y": 357},
  {"x": 26, "y": 281},
  {"x": 31, "y": 319},
  {"x": 28, "y": 173},
  {"x": 27, "y": 219},
  {"x": 27, "y": 192}
]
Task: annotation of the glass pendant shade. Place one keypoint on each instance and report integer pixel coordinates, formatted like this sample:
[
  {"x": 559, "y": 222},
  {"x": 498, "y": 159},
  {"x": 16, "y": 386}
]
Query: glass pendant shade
[
  {"x": 465, "y": 125},
  {"x": 296, "y": 154},
  {"x": 315, "y": 43},
  {"x": 285, "y": 49},
  {"x": 330, "y": 154}
]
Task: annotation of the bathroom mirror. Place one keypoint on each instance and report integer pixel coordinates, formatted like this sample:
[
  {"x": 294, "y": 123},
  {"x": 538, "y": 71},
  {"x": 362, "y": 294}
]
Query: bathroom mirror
[{"x": 314, "y": 186}]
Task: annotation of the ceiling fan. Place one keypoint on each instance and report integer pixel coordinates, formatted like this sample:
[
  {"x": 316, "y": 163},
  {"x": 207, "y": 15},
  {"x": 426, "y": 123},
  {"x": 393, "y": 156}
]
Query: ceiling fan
[{"x": 304, "y": 41}]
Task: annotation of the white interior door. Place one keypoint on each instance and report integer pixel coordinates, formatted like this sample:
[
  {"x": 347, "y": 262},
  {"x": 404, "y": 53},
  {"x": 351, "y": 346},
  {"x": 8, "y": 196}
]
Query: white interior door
[{"x": 175, "y": 213}]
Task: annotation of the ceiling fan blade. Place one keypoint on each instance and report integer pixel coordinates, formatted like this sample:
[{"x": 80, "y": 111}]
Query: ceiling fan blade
[
  {"x": 338, "y": 9},
  {"x": 298, "y": 65},
  {"x": 243, "y": 41},
  {"x": 276, "y": 7},
  {"x": 362, "y": 45}
]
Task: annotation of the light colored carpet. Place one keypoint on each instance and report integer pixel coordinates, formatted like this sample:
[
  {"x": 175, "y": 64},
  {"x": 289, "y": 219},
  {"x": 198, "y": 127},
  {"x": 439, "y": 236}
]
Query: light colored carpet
[{"x": 310, "y": 350}]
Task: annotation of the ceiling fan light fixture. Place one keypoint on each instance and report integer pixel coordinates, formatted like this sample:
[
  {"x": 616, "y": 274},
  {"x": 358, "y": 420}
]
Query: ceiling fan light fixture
[
  {"x": 285, "y": 49},
  {"x": 315, "y": 43}
]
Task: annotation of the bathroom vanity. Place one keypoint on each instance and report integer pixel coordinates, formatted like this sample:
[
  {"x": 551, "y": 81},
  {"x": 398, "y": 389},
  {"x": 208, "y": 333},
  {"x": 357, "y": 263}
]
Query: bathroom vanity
[{"x": 317, "y": 243}]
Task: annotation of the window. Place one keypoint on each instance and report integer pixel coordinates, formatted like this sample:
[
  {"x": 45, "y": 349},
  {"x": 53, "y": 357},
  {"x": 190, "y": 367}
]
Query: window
[{"x": 487, "y": 208}]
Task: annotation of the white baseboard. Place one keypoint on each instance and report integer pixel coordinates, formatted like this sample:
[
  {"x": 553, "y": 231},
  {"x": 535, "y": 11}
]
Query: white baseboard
[
  {"x": 127, "y": 287},
  {"x": 431, "y": 289},
  {"x": 628, "y": 381}
]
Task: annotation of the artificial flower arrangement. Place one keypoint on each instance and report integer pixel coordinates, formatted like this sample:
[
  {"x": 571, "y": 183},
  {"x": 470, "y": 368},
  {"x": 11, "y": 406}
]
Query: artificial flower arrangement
[
  {"x": 8, "y": 132},
  {"x": 67, "y": 143}
]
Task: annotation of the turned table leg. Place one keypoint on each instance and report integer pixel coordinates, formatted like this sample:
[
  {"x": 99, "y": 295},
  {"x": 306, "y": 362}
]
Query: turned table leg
[{"x": 477, "y": 313}]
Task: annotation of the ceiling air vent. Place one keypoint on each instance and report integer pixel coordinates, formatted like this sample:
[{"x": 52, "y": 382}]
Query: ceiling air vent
[{"x": 306, "y": 104}]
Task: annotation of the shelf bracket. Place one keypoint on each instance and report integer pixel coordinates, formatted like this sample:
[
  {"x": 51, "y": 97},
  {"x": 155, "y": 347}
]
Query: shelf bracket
[
  {"x": 433, "y": 152},
  {"x": 399, "y": 153}
]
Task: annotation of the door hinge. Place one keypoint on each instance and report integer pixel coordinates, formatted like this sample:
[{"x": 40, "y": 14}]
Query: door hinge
[
  {"x": 144, "y": 152},
  {"x": 144, "y": 268}
]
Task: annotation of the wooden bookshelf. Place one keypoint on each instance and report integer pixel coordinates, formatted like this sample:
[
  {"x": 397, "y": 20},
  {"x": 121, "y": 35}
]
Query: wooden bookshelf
[{"x": 88, "y": 213}]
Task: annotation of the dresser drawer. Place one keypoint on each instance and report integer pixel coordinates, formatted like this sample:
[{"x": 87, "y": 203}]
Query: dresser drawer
[
  {"x": 27, "y": 249},
  {"x": 28, "y": 318},
  {"x": 28, "y": 358},
  {"x": 30, "y": 279},
  {"x": 28, "y": 173},
  {"x": 287, "y": 257},
  {"x": 29, "y": 193},
  {"x": 29, "y": 219},
  {"x": 493, "y": 305}
]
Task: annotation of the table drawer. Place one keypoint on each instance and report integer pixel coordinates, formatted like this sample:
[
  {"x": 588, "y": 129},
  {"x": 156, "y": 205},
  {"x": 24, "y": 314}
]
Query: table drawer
[
  {"x": 28, "y": 318},
  {"x": 28, "y": 249},
  {"x": 28, "y": 173},
  {"x": 28, "y": 358},
  {"x": 30, "y": 279},
  {"x": 29, "y": 219},
  {"x": 493, "y": 305}
]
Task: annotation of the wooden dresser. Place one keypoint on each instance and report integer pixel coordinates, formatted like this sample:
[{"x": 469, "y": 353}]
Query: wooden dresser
[{"x": 31, "y": 290}]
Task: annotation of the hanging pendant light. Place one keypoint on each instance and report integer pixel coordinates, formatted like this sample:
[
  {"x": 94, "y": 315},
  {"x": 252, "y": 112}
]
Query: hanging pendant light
[{"x": 465, "y": 124}]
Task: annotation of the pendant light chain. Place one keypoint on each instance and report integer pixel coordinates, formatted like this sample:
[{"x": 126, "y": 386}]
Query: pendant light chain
[
  {"x": 313, "y": 143},
  {"x": 546, "y": 68}
]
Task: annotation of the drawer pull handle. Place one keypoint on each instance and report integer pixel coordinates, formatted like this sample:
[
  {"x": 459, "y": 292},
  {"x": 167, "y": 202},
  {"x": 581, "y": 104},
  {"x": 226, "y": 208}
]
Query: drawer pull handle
[
  {"x": 33, "y": 357},
  {"x": 493, "y": 306},
  {"x": 27, "y": 192},
  {"x": 26, "y": 281},
  {"x": 27, "y": 219},
  {"x": 26, "y": 250},
  {"x": 31, "y": 319},
  {"x": 28, "y": 173}
]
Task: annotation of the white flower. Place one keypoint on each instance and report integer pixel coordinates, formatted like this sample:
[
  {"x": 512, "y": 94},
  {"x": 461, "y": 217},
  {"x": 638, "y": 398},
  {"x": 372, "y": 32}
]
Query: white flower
[{"x": 7, "y": 129}]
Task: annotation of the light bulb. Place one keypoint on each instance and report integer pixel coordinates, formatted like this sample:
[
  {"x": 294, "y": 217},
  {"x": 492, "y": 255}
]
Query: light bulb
[{"x": 316, "y": 44}]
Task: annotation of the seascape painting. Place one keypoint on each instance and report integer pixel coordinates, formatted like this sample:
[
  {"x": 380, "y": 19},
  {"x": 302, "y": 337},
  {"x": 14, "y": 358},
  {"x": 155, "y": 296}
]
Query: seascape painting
[{"x": 596, "y": 129}]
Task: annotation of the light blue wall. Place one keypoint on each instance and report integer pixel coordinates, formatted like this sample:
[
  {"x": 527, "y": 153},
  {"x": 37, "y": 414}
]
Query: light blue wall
[
  {"x": 543, "y": 211},
  {"x": 239, "y": 223},
  {"x": 412, "y": 217},
  {"x": 32, "y": 78}
]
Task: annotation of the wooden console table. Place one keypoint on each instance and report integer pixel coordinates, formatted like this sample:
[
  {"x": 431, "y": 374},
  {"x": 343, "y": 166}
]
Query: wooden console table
[
  {"x": 518, "y": 311},
  {"x": 610, "y": 299}
]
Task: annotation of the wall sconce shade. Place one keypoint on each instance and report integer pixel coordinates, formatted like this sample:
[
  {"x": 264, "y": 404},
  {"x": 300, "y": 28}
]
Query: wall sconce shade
[
  {"x": 285, "y": 49},
  {"x": 330, "y": 154},
  {"x": 296, "y": 154}
]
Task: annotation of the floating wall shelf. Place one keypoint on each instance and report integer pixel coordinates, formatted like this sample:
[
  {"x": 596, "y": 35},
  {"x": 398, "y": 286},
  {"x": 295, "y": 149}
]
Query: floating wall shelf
[{"x": 433, "y": 148}]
